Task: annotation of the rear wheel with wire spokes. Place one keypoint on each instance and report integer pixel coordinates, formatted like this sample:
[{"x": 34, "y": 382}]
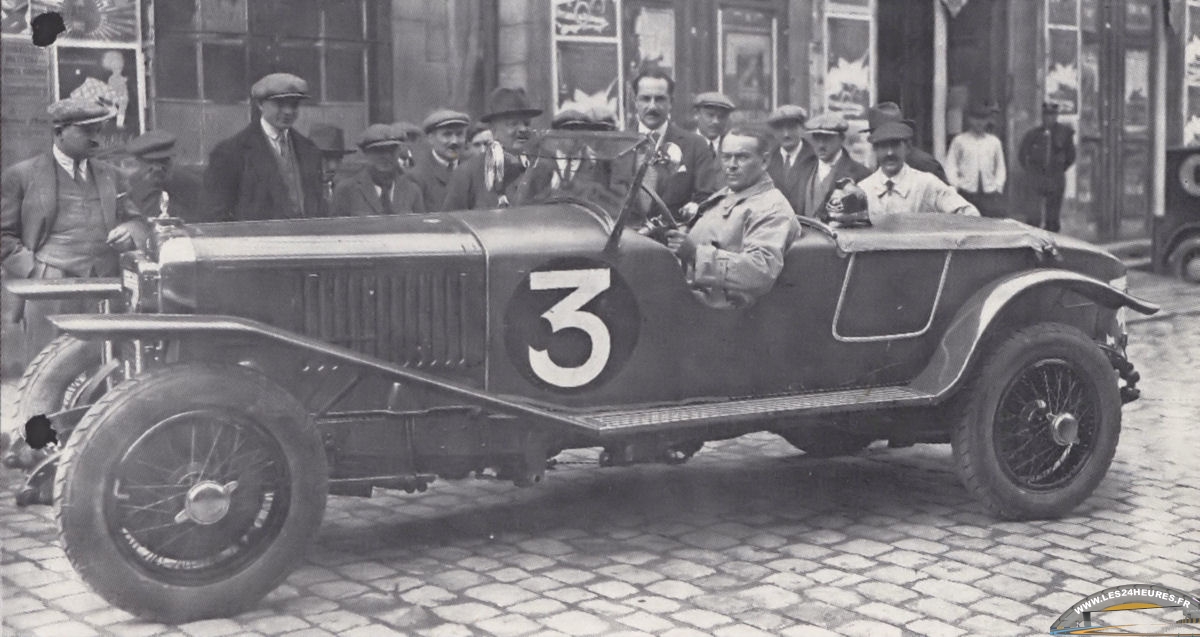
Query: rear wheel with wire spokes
[{"x": 190, "y": 491}]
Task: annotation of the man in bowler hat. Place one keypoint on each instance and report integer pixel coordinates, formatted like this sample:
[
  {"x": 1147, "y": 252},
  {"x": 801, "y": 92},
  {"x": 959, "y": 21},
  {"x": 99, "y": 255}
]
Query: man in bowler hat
[
  {"x": 509, "y": 115},
  {"x": 1046, "y": 152},
  {"x": 64, "y": 214},
  {"x": 446, "y": 139},
  {"x": 268, "y": 170},
  {"x": 380, "y": 187},
  {"x": 331, "y": 141}
]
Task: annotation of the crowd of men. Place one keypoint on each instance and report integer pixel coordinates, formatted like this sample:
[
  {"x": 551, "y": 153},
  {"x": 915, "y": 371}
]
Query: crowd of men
[{"x": 64, "y": 215}]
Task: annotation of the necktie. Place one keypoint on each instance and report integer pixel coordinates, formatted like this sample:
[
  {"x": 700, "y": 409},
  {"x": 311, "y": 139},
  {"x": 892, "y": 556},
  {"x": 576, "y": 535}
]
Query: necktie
[
  {"x": 385, "y": 198},
  {"x": 77, "y": 172},
  {"x": 890, "y": 185}
]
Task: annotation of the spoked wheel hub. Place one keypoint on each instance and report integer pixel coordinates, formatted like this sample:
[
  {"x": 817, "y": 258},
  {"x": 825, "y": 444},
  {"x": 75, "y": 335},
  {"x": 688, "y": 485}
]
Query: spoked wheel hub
[
  {"x": 1046, "y": 424},
  {"x": 206, "y": 502}
]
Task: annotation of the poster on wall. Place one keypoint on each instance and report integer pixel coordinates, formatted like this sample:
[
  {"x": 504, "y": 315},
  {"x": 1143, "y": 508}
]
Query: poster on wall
[
  {"x": 95, "y": 20},
  {"x": 14, "y": 17},
  {"x": 109, "y": 75},
  {"x": 1137, "y": 91},
  {"x": 585, "y": 17},
  {"x": 748, "y": 61},
  {"x": 848, "y": 66},
  {"x": 1062, "y": 73},
  {"x": 650, "y": 40},
  {"x": 588, "y": 79}
]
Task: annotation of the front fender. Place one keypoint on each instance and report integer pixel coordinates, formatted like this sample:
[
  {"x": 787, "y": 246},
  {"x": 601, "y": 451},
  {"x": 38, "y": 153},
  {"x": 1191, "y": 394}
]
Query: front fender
[
  {"x": 167, "y": 326},
  {"x": 100, "y": 289},
  {"x": 963, "y": 337}
]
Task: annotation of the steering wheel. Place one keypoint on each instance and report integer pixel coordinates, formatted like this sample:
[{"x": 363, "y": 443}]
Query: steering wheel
[{"x": 664, "y": 216}]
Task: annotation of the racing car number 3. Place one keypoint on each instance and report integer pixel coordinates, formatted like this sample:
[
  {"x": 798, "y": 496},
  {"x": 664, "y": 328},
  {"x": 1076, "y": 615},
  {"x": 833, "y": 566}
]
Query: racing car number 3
[
  {"x": 585, "y": 285},
  {"x": 571, "y": 324}
]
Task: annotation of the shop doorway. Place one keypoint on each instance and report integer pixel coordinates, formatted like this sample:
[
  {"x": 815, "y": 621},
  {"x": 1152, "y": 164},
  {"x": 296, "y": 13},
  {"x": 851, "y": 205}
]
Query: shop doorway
[{"x": 904, "y": 66}]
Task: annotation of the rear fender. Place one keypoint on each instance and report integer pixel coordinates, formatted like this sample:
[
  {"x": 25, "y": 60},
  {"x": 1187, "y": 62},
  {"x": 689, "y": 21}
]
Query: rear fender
[
  {"x": 155, "y": 327},
  {"x": 966, "y": 332}
]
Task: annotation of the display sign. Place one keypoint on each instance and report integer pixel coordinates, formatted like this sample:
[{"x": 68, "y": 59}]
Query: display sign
[
  {"x": 113, "y": 76},
  {"x": 114, "y": 21},
  {"x": 747, "y": 61},
  {"x": 848, "y": 81},
  {"x": 586, "y": 57}
]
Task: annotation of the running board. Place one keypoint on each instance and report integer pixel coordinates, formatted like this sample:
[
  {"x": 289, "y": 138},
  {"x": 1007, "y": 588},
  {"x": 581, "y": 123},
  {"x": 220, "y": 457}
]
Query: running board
[{"x": 732, "y": 411}]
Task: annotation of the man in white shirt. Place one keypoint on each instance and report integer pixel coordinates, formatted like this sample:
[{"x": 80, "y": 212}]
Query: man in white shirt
[
  {"x": 896, "y": 187},
  {"x": 789, "y": 166},
  {"x": 975, "y": 165}
]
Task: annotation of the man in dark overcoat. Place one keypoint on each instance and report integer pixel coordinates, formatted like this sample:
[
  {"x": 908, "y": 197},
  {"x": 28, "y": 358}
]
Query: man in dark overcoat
[
  {"x": 790, "y": 165},
  {"x": 1045, "y": 154},
  {"x": 827, "y": 136},
  {"x": 268, "y": 170},
  {"x": 434, "y": 162},
  {"x": 509, "y": 116},
  {"x": 64, "y": 214},
  {"x": 380, "y": 187}
]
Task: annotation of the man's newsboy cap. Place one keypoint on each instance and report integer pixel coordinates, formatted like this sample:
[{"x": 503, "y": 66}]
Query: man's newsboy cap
[
  {"x": 152, "y": 146},
  {"x": 279, "y": 86},
  {"x": 75, "y": 110},
  {"x": 444, "y": 117}
]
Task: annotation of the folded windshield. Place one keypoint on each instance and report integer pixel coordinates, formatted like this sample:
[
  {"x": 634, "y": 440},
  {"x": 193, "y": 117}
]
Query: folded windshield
[{"x": 590, "y": 166}]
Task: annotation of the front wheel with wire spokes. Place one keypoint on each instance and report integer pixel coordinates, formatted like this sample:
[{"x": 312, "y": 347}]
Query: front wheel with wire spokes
[
  {"x": 1039, "y": 423},
  {"x": 190, "y": 491}
]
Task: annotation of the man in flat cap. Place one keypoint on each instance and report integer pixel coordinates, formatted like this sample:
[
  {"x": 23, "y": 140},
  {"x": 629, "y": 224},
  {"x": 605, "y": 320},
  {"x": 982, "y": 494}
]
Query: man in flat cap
[
  {"x": 446, "y": 139},
  {"x": 380, "y": 187},
  {"x": 698, "y": 174},
  {"x": 331, "y": 141},
  {"x": 409, "y": 135},
  {"x": 975, "y": 164},
  {"x": 1045, "y": 154},
  {"x": 896, "y": 187},
  {"x": 790, "y": 165},
  {"x": 827, "y": 133},
  {"x": 64, "y": 214},
  {"x": 917, "y": 158},
  {"x": 268, "y": 170},
  {"x": 711, "y": 111},
  {"x": 153, "y": 153},
  {"x": 509, "y": 114}
]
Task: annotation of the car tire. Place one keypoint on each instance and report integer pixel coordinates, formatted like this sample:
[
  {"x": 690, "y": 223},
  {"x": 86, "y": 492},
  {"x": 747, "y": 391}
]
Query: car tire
[
  {"x": 826, "y": 444},
  {"x": 1024, "y": 447},
  {"x": 47, "y": 385},
  {"x": 1184, "y": 260},
  {"x": 160, "y": 533}
]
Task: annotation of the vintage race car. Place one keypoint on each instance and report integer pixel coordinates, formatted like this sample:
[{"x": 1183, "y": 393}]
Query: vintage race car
[{"x": 246, "y": 370}]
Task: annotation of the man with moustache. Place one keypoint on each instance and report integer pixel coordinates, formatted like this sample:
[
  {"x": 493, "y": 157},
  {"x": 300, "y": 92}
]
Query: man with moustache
[
  {"x": 445, "y": 136},
  {"x": 331, "y": 141},
  {"x": 698, "y": 174},
  {"x": 884, "y": 112},
  {"x": 509, "y": 114},
  {"x": 711, "y": 111},
  {"x": 734, "y": 251},
  {"x": 897, "y": 187},
  {"x": 64, "y": 214},
  {"x": 268, "y": 170},
  {"x": 380, "y": 187},
  {"x": 789, "y": 166},
  {"x": 827, "y": 133}
]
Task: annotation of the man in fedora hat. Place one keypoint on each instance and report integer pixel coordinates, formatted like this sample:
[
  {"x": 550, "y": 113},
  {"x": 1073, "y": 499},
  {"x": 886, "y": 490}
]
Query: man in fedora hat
[
  {"x": 64, "y": 214},
  {"x": 153, "y": 153},
  {"x": 711, "y": 111},
  {"x": 268, "y": 170},
  {"x": 790, "y": 165},
  {"x": 509, "y": 115},
  {"x": 380, "y": 187},
  {"x": 446, "y": 138},
  {"x": 917, "y": 158},
  {"x": 698, "y": 174},
  {"x": 896, "y": 187},
  {"x": 331, "y": 141},
  {"x": 1045, "y": 154},
  {"x": 975, "y": 164},
  {"x": 826, "y": 134}
]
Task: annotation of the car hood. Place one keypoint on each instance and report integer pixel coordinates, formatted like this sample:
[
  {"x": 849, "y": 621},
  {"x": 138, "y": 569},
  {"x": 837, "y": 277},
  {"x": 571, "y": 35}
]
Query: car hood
[{"x": 525, "y": 229}]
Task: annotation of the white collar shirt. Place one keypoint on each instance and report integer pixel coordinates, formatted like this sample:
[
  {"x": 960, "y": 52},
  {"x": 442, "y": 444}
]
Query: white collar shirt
[
  {"x": 975, "y": 163},
  {"x": 68, "y": 164},
  {"x": 659, "y": 133},
  {"x": 277, "y": 136},
  {"x": 912, "y": 191}
]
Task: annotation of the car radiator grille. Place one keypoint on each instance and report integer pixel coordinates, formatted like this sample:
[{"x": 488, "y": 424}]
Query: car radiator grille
[{"x": 420, "y": 319}]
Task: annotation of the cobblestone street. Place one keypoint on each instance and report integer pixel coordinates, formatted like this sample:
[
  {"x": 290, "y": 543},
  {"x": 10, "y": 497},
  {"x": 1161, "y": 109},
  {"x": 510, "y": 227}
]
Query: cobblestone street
[{"x": 748, "y": 538}]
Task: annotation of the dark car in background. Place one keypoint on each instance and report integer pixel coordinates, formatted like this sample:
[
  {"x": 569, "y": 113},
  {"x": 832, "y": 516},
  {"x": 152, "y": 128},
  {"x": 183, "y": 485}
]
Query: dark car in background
[
  {"x": 1176, "y": 240},
  {"x": 246, "y": 370}
]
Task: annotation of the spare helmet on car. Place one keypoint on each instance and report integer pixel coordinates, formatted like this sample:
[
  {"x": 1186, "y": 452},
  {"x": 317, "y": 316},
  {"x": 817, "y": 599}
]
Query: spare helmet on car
[{"x": 847, "y": 205}]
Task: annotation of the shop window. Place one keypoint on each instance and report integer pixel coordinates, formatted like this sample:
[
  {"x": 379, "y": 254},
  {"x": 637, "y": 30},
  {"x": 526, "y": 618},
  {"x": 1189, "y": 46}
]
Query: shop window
[
  {"x": 175, "y": 68},
  {"x": 323, "y": 41},
  {"x": 224, "y": 72},
  {"x": 849, "y": 69},
  {"x": 649, "y": 39},
  {"x": 1062, "y": 55},
  {"x": 586, "y": 56},
  {"x": 748, "y": 70}
]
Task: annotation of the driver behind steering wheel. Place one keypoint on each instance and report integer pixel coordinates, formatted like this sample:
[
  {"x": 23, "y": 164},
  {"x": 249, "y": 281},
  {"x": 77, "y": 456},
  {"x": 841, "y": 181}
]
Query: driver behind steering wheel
[{"x": 734, "y": 250}]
